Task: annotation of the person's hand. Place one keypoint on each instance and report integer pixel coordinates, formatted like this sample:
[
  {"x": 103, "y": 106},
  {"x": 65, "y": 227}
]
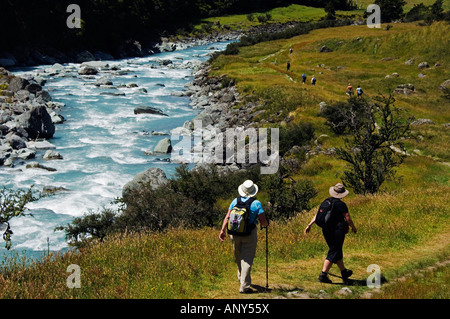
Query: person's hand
[
  {"x": 307, "y": 229},
  {"x": 222, "y": 235}
]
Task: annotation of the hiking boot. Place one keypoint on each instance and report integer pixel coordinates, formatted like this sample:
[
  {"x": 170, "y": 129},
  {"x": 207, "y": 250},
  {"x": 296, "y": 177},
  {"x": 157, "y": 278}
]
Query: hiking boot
[
  {"x": 345, "y": 274},
  {"x": 323, "y": 277},
  {"x": 247, "y": 291}
]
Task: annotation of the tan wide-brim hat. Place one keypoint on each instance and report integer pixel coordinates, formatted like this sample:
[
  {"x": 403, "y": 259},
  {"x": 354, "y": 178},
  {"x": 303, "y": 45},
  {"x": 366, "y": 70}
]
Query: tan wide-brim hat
[
  {"x": 248, "y": 189},
  {"x": 338, "y": 191}
]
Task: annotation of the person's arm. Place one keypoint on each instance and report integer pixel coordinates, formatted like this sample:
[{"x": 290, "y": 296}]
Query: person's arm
[
  {"x": 222, "y": 234},
  {"x": 308, "y": 228},
  {"x": 349, "y": 221},
  {"x": 263, "y": 220}
]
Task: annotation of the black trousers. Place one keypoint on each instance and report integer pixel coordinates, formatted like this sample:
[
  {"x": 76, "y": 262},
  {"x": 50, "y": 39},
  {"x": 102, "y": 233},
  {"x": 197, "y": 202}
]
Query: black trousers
[{"x": 335, "y": 240}]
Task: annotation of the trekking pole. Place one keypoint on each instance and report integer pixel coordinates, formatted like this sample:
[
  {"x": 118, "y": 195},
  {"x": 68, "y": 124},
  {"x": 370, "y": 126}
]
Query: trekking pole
[{"x": 267, "y": 258}]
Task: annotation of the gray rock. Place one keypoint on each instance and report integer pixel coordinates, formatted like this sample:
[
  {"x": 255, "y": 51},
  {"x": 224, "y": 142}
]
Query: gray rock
[
  {"x": 423, "y": 65},
  {"x": 325, "y": 49},
  {"x": 152, "y": 177},
  {"x": 40, "y": 166},
  {"x": 163, "y": 146},
  {"x": 16, "y": 142},
  {"x": 37, "y": 123},
  {"x": 26, "y": 154},
  {"x": 445, "y": 84},
  {"x": 52, "y": 155},
  {"x": 49, "y": 190},
  {"x": 103, "y": 81},
  {"x": 422, "y": 122},
  {"x": 148, "y": 110},
  {"x": 88, "y": 70},
  {"x": 16, "y": 84}
]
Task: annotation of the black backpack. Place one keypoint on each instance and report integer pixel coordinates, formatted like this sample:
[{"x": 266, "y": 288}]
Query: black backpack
[
  {"x": 239, "y": 221},
  {"x": 323, "y": 216}
]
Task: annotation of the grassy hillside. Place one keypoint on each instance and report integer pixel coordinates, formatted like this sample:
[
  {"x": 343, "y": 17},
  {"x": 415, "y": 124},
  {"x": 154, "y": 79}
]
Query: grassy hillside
[{"x": 403, "y": 229}]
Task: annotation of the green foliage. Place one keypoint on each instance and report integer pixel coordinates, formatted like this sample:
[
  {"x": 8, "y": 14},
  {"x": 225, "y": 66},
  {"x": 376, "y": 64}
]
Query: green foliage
[
  {"x": 299, "y": 29},
  {"x": 375, "y": 148},
  {"x": 391, "y": 9},
  {"x": 92, "y": 226},
  {"x": 343, "y": 116},
  {"x": 295, "y": 134},
  {"x": 12, "y": 204},
  {"x": 287, "y": 196},
  {"x": 331, "y": 12}
]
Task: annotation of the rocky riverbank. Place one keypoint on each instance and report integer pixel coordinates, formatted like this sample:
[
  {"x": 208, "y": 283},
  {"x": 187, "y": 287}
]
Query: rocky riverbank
[{"x": 27, "y": 119}]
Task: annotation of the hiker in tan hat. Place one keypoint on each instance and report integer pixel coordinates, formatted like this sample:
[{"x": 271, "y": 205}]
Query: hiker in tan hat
[
  {"x": 334, "y": 219},
  {"x": 240, "y": 223}
]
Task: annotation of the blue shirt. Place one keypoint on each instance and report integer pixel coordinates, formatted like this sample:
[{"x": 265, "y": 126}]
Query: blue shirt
[{"x": 255, "y": 208}]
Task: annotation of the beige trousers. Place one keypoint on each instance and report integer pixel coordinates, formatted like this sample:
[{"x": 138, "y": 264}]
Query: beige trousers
[{"x": 244, "y": 252}]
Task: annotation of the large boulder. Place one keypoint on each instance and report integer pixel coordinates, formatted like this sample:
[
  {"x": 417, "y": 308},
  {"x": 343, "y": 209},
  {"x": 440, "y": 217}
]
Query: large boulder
[
  {"x": 152, "y": 177},
  {"x": 37, "y": 122},
  {"x": 164, "y": 146},
  {"x": 16, "y": 84}
]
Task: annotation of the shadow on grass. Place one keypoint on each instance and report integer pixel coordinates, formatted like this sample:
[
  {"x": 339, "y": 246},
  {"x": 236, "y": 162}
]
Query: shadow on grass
[{"x": 355, "y": 282}]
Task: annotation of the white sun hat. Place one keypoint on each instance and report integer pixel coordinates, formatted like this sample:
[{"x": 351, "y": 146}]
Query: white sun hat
[{"x": 248, "y": 189}]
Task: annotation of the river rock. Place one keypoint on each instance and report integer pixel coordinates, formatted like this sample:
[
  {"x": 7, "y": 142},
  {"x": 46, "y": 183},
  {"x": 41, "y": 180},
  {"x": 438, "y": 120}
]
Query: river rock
[
  {"x": 52, "y": 155},
  {"x": 37, "y": 123},
  {"x": 152, "y": 177},
  {"x": 88, "y": 70},
  {"x": 26, "y": 154},
  {"x": 148, "y": 110},
  {"x": 163, "y": 146},
  {"x": 16, "y": 84},
  {"x": 16, "y": 142},
  {"x": 40, "y": 166}
]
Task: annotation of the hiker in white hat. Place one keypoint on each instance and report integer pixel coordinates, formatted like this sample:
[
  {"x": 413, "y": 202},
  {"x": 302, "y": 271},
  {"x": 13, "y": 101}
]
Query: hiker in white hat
[
  {"x": 240, "y": 223},
  {"x": 334, "y": 225}
]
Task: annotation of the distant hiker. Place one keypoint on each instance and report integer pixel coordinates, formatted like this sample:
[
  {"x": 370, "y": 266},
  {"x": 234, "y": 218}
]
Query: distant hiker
[
  {"x": 291, "y": 51},
  {"x": 349, "y": 90},
  {"x": 334, "y": 227},
  {"x": 359, "y": 91},
  {"x": 303, "y": 78},
  {"x": 313, "y": 80},
  {"x": 288, "y": 66},
  {"x": 240, "y": 223}
]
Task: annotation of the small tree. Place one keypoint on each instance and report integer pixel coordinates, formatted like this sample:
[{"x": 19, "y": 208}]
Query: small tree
[
  {"x": 391, "y": 9},
  {"x": 330, "y": 11},
  {"x": 12, "y": 204},
  {"x": 286, "y": 195},
  {"x": 374, "y": 148}
]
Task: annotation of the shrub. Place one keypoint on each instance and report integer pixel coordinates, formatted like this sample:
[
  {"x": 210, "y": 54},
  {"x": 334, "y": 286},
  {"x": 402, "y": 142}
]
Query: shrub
[
  {"x": 342, "y": 115},
  {"x": 374, "y": 148},
  {"x": 287, "y": 197},
  {"x": 295, "y": 134},
  {"x": 12, "y": 204}
]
